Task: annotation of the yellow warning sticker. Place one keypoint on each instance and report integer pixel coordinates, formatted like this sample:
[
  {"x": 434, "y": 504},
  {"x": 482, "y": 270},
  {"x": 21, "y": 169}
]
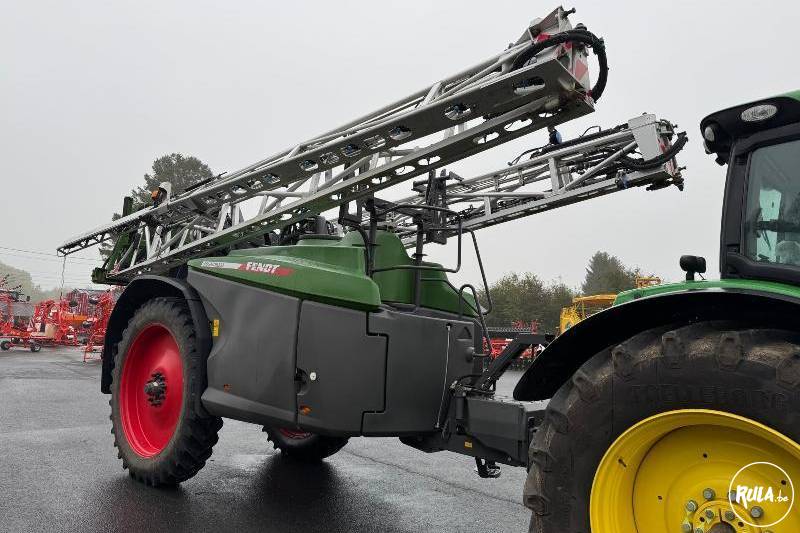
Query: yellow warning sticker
[
  {"x": 467, "y": 444},
  {"x": 215, "y": 327}
]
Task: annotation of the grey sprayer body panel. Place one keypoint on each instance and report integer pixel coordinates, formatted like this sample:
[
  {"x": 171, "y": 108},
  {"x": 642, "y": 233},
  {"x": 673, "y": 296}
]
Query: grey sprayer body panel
[
  {"x": 251, "y": 366},
  {"x": 279, "y": 360},
  {"x": 425, "y": 355}
]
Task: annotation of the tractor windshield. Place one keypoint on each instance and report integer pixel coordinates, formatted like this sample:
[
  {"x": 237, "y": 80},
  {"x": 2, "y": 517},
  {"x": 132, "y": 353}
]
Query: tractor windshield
[{"x": 772, "y": 224}]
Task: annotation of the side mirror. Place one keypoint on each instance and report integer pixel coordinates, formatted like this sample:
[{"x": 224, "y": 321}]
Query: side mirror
[{"x": 693, "y": 264}]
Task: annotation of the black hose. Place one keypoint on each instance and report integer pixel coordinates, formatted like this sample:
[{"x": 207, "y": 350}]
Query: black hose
[
  {"x": 580, "y": 36},
  {"x": 639, "y": 164},
  {"x": 551, "y": 147}
]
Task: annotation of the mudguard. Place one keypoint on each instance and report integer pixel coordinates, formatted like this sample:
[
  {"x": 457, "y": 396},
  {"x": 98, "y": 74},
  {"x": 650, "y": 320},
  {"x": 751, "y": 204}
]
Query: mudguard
[
  {"x": 559, "y": 361},
  {"x": 139, "y": 291}
]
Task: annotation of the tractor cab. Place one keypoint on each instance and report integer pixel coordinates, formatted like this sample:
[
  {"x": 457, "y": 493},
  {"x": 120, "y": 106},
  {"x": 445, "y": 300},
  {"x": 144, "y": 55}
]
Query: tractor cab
[{"x": 760, "y": 143}]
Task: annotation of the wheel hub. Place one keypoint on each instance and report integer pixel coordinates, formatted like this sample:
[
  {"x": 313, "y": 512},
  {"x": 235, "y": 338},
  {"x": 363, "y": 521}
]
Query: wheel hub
[
  {"x": 722, "y": 528},
  {"x": 716, "y": 515},
  {"x": 156, "y": 389}
]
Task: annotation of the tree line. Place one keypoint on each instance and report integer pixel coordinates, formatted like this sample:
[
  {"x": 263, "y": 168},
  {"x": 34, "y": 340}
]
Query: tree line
[
  {"x": 17, "y": 277},
  {"x": 527, "y": 298},
  {"x": 179, "y": 170}
]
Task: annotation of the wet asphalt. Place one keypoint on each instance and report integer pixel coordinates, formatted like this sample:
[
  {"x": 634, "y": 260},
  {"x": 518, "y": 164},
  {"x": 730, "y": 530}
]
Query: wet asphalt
[{"x": 59, "y": 472}]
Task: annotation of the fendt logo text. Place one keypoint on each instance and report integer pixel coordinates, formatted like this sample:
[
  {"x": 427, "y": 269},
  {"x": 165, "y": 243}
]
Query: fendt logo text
[
  {"x": 250, "y": 266},
  {"x": 267, "y": 268}
]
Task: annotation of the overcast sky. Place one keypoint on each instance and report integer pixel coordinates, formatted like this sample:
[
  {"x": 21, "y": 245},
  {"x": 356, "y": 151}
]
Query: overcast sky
[{"x": 92, "y": 92}]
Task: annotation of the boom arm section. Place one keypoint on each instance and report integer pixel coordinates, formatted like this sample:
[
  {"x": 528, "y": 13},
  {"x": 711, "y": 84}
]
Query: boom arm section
[
  {"x": 637, "y": 153},
  {"x": 539, "y": 81}
]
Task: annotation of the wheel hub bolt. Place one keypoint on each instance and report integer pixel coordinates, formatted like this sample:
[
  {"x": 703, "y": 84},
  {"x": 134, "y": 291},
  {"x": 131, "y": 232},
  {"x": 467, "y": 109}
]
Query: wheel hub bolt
[
  {"x": 691, "y": 506},
  {"x": 686, "y": 527},
  {"x": 709, "y": 494},
  {"x": 710, "y": 514},
  {"x": 732, "y": 496},
  {"x": 730, "y": 516},
  {"x": 756, "y": 512},
  {"x": 699, "y": 530}
]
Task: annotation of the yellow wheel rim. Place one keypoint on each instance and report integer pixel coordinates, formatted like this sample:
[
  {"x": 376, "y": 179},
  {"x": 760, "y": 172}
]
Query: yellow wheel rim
[{"x": 673, "y": 472}]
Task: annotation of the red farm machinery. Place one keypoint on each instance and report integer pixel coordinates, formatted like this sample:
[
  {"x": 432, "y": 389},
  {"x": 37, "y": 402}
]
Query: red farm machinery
[
  {"x": 13, "y": 327},
  {"x": 53, "y": 323},
  {"x": 78, "y": 318},
  {"x": 501, "y": 337},
  {"x": 14, "y": 311},
  {"x": 97, "y": 320}
]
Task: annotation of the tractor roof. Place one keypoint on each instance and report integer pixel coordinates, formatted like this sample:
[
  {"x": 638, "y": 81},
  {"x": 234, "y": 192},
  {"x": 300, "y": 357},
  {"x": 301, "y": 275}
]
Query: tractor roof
[{"x": 720, "y": 129}]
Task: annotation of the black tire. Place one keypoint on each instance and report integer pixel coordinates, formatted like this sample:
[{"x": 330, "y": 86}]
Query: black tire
[
  {"x": 196, "y": 431},
  {"x": 36, "y": 347},
  {"x": 753, "y": 373},
  {"x": 5, "y": 345},
  {"x": 308, "y": 447}
]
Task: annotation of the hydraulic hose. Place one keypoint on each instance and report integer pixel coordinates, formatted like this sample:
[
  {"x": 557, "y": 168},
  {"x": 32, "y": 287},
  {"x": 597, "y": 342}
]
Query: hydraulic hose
[
  {"x": 576, "y": 36},
  {"x": 640, "y": 164},
  {"x": 577, "y": 140}
]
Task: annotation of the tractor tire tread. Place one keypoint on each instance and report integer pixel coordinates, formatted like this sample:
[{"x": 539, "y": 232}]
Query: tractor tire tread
[
  {"x": 559, "y": 478},
  {"x": 311, "y": 449}
]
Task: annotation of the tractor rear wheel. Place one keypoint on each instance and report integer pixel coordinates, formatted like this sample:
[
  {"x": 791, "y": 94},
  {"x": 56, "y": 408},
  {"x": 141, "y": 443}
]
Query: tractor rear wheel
[
  {"x": 163, "y": 433},
  {"x": 651, "y": 436},
  {"x": 36, "y": 347},
  {"x": 303, "y": 445},
  {"x": 5, "y": 345}
]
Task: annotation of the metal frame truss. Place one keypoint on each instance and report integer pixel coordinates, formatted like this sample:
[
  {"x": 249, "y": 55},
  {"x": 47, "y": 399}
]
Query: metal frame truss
[
  {"x": 481, "y": 107},
  {"x": 557, "y": 175}
]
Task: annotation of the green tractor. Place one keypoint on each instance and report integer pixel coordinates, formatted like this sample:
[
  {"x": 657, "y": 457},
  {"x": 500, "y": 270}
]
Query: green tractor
[{"x": 677, "y": 409}]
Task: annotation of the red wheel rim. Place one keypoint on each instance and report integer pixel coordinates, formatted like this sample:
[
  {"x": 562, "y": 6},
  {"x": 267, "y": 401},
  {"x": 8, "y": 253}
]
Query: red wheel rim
[
  {"x": 151, "y": 390},
  {"x": 294, "y": 434}
]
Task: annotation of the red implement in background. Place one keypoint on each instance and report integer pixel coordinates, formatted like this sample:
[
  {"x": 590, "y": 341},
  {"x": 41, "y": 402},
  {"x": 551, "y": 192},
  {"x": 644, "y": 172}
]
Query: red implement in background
[
  {"x": 501, "y": 337},
  {"x": 79, "y": 317},
  {"x": 13, "y": 331},
  {"x": 53, "y": 323},
  {"x": 96, "y": 323}
]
